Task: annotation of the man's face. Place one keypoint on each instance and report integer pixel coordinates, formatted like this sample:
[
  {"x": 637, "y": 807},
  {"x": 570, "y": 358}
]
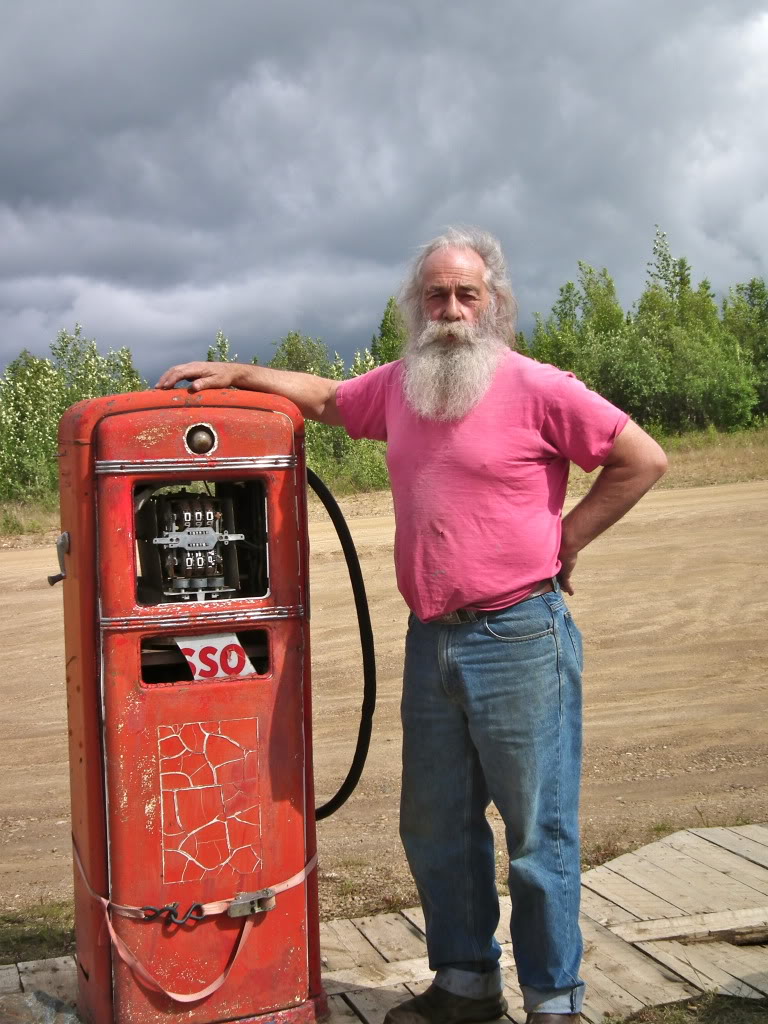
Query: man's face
[
  {"x": 453, "y": 287},
  {"x": 450, "y": 363}
]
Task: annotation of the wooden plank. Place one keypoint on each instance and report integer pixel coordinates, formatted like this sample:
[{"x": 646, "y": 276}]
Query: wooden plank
[
  {"x": 723, "y": 891},
  {"x": 340, "y": 1012},
  {"x": 9, "y": 979},
  {"x": 721, "y": 925},
  {"x": 513, "y": 995},
  {"x": 392, "y": 935},
  {"x": 347, "y": 937},
  {"x": 747, "y": 848},
  {"x": 699, "y": 965},
  {"x": 690, "y": 898},
  {"x": 372, "y": 1004},
  {"x": 633, "y": 898},
  {"x": 728, "y": 863},
  {"x": 631, "y": 969},
  {"x": 416, "y": 916},
  {"x": 386, "y": 975},
  {"x": 604, "y": 998},
  {"x": 752, "y": 963},
  {"x": 56, "y": 977},
  {"x": 603, "y": 911},
  {"x": 389, "y": 975},
  {"x": 503, "y": 934},
  {"x": 757, "y": 832},
  {"x": 335, "y": 955}
]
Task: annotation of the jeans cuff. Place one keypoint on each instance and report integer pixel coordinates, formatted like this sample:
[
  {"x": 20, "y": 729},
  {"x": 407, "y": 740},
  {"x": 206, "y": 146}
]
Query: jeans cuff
[
  {"x": 554, "y": 1000},
  {"x": 472, "y": 984}
]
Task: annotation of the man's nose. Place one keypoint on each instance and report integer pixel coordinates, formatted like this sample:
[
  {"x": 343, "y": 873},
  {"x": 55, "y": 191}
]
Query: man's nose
[{"x": 452, "y": 310}]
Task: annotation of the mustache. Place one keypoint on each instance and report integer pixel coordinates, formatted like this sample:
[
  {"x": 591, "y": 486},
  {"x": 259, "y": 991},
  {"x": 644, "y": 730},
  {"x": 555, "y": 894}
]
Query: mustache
[{"x": 437, "y": 332}]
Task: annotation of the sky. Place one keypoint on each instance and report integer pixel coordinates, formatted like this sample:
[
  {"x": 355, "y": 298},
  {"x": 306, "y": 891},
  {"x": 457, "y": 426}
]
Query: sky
[{"x": 171, "y": 169}]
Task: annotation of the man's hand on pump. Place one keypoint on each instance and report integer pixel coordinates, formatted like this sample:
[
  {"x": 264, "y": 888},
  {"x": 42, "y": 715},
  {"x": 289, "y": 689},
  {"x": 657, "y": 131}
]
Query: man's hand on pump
[
  {"x": 202, "y": 375},
  {"x": 315, "y": 396}
]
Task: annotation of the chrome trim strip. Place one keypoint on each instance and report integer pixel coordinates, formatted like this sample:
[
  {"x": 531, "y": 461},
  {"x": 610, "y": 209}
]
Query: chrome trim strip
[
  {"x": 201, "y": 619},
  {"x": 154, "y": 466}
]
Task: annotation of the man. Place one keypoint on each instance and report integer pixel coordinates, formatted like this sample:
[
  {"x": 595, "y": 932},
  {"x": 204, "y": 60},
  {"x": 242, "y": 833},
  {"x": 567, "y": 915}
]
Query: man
[{"x": 479, "y": 443}]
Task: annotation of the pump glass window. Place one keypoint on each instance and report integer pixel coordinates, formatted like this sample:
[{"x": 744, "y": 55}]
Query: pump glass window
[{"x": 201, "y": 542}]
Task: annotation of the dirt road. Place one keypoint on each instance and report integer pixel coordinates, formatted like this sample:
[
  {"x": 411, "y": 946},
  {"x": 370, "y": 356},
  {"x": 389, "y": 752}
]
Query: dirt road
[{"x": 672, "y": 603}]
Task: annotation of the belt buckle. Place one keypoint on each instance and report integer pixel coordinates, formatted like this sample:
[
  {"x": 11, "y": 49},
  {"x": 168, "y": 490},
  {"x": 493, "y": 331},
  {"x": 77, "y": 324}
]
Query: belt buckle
[{"x": 457, "y": 617}]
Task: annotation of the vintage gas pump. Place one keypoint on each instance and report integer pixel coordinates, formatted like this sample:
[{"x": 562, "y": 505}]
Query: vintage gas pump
[{"x": 184, "y": 557}]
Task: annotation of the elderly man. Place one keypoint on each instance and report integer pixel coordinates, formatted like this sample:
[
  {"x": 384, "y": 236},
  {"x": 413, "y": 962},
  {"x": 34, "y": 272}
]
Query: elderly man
[{"x": 479, "y": 441}]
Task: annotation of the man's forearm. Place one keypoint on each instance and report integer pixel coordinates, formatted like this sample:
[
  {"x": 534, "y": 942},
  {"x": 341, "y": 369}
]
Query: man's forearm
[
  {"x": 311, "y": 394},
  {"x": 314, "y": 396},
  {"x": 631, "y": 468},
  {"x": 612, "y": 495}
]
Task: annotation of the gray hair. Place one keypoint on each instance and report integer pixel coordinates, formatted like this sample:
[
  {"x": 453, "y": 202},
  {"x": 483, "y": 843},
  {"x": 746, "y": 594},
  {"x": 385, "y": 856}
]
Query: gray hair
[{"x": 496, "y": 277}]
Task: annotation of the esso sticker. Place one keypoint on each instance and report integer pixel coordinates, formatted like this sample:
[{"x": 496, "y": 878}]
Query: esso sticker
[{"x": 217, "y": 656}]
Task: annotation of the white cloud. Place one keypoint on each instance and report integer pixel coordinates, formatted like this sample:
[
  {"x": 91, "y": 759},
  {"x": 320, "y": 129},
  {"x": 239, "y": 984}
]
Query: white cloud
[{"x": 174, "y": 170}]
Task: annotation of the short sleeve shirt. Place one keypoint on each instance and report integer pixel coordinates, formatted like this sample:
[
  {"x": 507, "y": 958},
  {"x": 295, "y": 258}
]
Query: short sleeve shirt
[{"x": 478, "y": 502}]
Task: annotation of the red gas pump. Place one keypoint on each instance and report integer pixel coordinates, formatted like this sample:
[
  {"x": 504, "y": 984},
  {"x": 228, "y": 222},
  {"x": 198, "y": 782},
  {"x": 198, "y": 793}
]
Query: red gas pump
[{"x": 184, "y": 555}]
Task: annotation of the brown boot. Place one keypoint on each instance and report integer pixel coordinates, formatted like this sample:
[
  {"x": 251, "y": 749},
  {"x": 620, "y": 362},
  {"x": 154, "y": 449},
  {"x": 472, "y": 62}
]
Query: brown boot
[{"x": 438, "y": 1006}]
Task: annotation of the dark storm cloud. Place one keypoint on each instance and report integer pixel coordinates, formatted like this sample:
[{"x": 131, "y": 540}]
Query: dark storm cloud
[{"x": 171, "y": 169}]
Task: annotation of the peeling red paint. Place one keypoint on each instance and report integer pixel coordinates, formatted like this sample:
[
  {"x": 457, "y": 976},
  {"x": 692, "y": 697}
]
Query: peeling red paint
[{"x": 210, "y": 806}]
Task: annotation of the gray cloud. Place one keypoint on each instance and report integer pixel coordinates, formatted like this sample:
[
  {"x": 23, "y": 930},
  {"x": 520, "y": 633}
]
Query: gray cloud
[{"x": 171, "y": 169}]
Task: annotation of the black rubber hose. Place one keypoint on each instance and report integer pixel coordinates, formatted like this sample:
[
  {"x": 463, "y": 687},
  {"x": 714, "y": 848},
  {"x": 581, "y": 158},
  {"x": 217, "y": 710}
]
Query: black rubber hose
[{"x": 366, "y": 642}]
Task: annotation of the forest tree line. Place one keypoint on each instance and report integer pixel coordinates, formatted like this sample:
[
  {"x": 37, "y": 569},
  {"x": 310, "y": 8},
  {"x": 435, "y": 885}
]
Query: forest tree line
[{"x": 676, "y": 361}]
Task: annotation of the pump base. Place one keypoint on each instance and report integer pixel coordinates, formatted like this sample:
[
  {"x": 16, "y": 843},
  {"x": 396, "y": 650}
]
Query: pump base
[{"x": 313, "y": 1010}]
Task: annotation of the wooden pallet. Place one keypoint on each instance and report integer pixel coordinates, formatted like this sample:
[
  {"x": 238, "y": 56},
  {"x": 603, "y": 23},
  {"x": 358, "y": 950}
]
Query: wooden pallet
[
  {"x": 685, "y": 915},
  {"x": 660, "y": 925}
]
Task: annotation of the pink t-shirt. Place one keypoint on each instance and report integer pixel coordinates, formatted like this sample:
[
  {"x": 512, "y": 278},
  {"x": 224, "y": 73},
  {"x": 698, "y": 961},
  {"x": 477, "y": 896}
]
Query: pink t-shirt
[{"x": 478, "y": 502}]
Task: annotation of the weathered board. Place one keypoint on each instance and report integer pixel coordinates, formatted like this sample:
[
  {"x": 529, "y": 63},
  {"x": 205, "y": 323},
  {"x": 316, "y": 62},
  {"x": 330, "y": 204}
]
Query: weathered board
[
  {"x": 699, "y": 927},
  {"x": 723, "y": 861},
  {"x": 56, "y": 977},
  {"x": 707, "y": 966},
  {"x": 731, "y": 839},
  {"x": 9, "y": 979},
  {"x": 392, "y": 935},
  {"x": 632, "y": 897}
]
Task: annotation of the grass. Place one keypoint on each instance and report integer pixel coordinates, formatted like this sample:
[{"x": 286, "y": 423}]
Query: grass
[
  {"x": 703, "y": 458},
  {"x": 707, "y": 1009},
  {"x": 29, "y": 518},
  {"x": 37, "y": 931}
]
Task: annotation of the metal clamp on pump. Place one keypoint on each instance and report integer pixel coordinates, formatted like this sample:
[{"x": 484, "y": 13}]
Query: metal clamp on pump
[{"x": 247, "y": 903}]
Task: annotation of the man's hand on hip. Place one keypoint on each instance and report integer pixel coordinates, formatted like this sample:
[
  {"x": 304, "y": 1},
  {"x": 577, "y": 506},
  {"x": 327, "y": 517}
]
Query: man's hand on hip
[{"x": 567, "y": 565}]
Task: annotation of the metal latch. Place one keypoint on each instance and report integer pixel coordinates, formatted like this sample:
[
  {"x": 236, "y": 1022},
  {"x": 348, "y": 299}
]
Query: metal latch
[
  {"x": 247, "y": 903},
  {"x": 62, "y": 548},
  {"x": 196, "y": 538}
]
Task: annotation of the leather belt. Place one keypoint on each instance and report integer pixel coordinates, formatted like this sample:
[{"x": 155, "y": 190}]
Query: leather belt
[{"x": 455, "y": 618}]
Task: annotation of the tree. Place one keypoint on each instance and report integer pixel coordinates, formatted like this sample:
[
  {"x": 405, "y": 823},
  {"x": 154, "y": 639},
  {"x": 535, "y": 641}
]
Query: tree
[
  {"x": 745, "y": 318},
  {"x": 388, "y": 344},
  {"x": 34, "y": 393},
  {"x": 671, "y": 362},
  {"x": 306, "y": 355},
  {"x": 218, "y": 352}
]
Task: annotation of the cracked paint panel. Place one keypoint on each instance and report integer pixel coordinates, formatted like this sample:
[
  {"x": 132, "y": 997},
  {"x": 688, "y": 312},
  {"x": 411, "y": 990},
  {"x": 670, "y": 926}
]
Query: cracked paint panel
[{"x": 209, "y": 789}]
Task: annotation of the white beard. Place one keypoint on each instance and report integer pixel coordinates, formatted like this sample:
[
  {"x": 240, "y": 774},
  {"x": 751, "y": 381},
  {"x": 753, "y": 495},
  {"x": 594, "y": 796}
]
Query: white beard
[{"x": 446, "y": 377}]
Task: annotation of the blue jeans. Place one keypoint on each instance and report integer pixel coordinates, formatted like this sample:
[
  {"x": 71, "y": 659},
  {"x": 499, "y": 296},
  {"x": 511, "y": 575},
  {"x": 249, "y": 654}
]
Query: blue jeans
[{"x": 491, "y": 710}]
